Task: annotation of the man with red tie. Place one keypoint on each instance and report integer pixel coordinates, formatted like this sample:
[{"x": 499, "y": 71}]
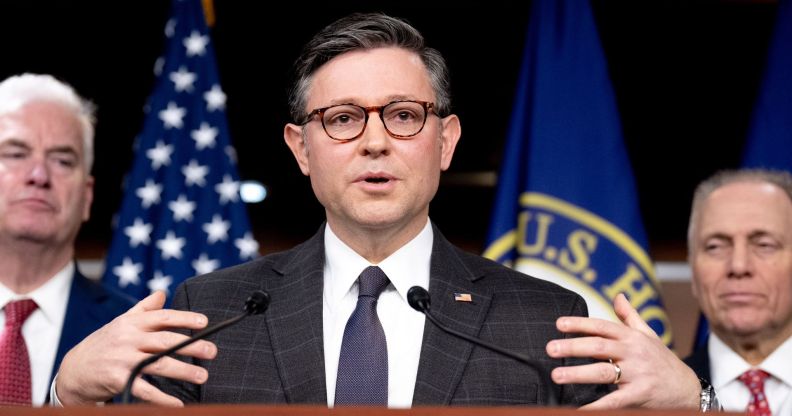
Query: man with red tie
[
  {"x": 740, "y": 248},
  {"x": 46, "y": 305}
]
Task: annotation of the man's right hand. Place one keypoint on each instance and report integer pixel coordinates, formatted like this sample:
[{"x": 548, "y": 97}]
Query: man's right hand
[{"x": 97, "y": 368}]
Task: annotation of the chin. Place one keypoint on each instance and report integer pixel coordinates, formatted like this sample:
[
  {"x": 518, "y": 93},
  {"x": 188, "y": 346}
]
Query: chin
[
  {"x": 35, "y": 232},
  {"x": 379, "y": 215},
  {"x": 744, "y": 328},
  {"x": 377, "y": 223}
]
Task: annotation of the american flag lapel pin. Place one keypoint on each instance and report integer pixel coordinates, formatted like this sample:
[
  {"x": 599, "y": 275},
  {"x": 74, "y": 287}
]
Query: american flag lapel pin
[{"x": 463, "y": 297}]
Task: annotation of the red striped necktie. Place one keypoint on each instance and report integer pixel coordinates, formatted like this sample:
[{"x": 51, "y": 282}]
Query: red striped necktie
[{"x": 14, "y": 360}]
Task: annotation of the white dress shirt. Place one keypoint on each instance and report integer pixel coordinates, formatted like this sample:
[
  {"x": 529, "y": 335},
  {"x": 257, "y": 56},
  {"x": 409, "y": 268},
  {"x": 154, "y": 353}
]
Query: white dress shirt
[
  {"x": 42, "y": 329},
  {"x": 726, "y": 366},
  {"x": 403, "y": 326}
]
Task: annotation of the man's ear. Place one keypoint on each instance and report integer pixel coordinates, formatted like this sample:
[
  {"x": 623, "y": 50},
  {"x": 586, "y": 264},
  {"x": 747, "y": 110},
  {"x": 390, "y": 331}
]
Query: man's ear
[
  {"x": 452, "y": 131},
  {"x": 293, "y": 135},
  {"x": 88, "y": 195}
]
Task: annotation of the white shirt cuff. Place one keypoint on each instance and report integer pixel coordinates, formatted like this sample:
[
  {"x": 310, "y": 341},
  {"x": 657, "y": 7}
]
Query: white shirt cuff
[{"x": 54, "y": 400}]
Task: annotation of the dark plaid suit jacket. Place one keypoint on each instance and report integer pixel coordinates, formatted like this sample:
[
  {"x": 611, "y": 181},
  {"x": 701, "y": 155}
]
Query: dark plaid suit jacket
[{"x": 278, "y": 357}]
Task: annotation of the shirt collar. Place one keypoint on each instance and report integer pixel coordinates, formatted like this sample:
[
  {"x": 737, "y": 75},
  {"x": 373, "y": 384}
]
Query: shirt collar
[
  {"x": 726, "y": 365},
  {"x": 777, "y": 363},
  {"x": 49, "y": 297},
  {"x": 407, "y": 267}
]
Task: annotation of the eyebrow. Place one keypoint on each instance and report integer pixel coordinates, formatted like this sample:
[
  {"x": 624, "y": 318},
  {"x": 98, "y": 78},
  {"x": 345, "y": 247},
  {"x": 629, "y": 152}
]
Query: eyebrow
[
  {"x": 64, "y": 149},
  {"x": 14, "y": 143},
  {"x": 760, "y": 233},
  {"x": 717, "y": 236},
  {"x": 388, "y": 99},
  {"x": 752, "y": 235}
]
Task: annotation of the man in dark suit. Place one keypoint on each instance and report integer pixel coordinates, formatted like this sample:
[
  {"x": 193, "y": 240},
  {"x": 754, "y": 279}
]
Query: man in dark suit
[
  {"x": 373, "y": 131},
  {"x": 740, "y": 248},
  {"x": 46, "y": 139}
]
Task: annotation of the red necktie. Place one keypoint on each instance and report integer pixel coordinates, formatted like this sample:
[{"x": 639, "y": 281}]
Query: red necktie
[
  {"x": 754, "y": 380},
  {"x": 14, "y": 360}
]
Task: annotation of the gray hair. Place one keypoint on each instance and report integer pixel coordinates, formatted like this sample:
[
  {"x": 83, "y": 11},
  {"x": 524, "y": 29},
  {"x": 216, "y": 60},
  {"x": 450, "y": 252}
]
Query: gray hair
[
  {"x": 360, "y": 31},
  {"x": 18, "y": 90},
  {"x": 780, "y": 178}
]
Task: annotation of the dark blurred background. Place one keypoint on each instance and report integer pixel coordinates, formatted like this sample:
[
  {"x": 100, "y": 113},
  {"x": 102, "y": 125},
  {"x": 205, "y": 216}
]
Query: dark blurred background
[{"x": 685, "y": 73}]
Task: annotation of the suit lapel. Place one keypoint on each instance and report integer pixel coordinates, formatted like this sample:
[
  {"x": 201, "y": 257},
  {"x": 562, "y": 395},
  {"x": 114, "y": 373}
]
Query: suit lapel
[
  {"x": 699, "y": 362},
  {"x": 444, "y": 357},
  {"x": 294, "y": 322}
]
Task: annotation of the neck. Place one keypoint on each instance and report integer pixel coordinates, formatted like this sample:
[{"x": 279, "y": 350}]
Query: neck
[
  {"x": 756, "y": 348},
  {"x": 376, "y": 244},
  {"x": 28, "y": 265}
]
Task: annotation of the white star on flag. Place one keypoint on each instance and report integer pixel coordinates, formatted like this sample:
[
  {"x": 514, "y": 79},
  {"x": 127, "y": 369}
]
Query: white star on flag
[
  {"x": 196, "y": 43},
  {"x": 160, "y": 282},
  {"x": 183, "y": 79},
  {"x": 217, "y": 230},
  {"x": 182, "y": 209},
  {"x": 248, "y": 247},
  {"x": 204, "y": 136},
  {"x": 138, "y": 233},
  {"x": 149, "y": 194},
  {"x": 160, "y": 155},
  {"x": 204, "y": 264},
  {"x": 172, "y": 116},
  {"x": 215, "y": 98},
  {"x": 171, "y": 246},
  {"x": 228, "y": 190},
  {"x": 128, "y": 272},
  {"x": 194, "y": 174}
]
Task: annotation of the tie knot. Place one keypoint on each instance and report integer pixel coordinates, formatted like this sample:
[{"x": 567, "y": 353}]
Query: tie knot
[
  {"x": 372, "y": 282},
  {"x": 754, "y": 379},
  {"x": 18, "y": 311}
]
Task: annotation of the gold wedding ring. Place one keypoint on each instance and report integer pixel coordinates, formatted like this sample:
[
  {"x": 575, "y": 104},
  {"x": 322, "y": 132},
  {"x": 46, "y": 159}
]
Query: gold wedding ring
[{"x": 616, "y": 369}]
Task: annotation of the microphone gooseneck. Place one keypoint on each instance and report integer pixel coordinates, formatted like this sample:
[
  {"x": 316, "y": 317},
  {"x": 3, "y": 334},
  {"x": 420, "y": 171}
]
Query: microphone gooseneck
[
  {"x": 256, "y": 304},
  {"x": 419, "y": 299}
]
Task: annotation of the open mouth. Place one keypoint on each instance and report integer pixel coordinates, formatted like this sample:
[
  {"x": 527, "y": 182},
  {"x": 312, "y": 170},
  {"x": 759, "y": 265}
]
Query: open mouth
[{"x": 377, "y": 180}]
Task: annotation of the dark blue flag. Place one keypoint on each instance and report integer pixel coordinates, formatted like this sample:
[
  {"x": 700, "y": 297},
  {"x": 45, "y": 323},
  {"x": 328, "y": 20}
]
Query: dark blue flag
[
  {"x": 566, "y": 208},
  {"x": 181, "y": 213},
  {"x": 769, "y": 142}
]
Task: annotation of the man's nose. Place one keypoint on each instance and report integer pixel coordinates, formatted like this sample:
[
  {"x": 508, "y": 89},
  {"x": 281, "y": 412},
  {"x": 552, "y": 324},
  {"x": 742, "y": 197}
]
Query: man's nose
[
  {"x": 740, "y": 263},
  {"x": 38, "y": 173},
  {"x": 375, "y": 139}
]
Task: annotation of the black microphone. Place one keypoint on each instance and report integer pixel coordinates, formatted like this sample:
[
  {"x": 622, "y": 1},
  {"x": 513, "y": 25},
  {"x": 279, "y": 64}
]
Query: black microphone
[
  {"x": 419, "y": 299},
  {"x": 256, "y": 304}
]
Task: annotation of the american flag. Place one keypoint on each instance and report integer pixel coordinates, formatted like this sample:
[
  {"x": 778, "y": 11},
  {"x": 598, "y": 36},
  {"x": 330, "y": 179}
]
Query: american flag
[
  {"x": 463, "y": 297},
  {"x": 181, "y": 213}
]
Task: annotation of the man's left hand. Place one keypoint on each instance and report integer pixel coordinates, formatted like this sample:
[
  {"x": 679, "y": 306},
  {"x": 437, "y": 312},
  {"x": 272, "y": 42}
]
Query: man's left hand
[{"x": 651, "y": 376}]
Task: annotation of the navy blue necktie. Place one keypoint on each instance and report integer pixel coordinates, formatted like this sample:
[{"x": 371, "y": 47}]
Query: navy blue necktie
[{"x": 363, "y": 364}]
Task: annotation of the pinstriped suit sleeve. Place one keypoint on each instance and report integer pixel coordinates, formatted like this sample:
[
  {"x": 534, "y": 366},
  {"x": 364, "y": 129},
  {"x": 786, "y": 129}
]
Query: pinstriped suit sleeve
[
  {"x": 580, "y": 394},
  {"x": 186, "y": 392}
]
